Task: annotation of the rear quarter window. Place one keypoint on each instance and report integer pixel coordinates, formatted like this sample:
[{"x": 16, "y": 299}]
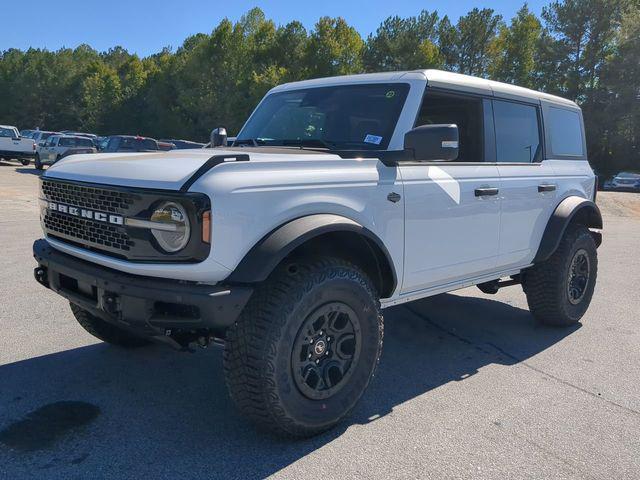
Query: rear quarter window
[{"x": 565, "y": 132}]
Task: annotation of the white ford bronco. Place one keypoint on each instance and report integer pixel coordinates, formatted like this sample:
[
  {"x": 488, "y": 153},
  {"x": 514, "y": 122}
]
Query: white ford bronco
[{"x": 339, "y": 197}]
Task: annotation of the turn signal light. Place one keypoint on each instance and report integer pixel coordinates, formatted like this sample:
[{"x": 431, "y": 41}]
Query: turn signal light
[{"x": 206, "y": 227}]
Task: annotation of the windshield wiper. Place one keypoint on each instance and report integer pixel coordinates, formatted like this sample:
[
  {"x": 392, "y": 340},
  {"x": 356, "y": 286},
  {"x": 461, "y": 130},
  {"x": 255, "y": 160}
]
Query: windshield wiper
[
  {"x": 308, "y": 142},
  {"x": 247, "y": 141}
]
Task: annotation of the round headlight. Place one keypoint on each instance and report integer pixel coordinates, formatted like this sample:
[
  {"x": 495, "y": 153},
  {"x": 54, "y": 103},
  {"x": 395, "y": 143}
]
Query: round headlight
[{"x": 172, "y": 227}]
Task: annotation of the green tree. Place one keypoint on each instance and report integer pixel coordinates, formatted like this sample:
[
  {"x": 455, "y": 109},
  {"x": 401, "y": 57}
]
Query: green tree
[
  {"x": 465, "y": 46},
  {"x": 513, "y": 52},
  {"x": 334, "y": 48},
  {"x": 404, "y": 44}
]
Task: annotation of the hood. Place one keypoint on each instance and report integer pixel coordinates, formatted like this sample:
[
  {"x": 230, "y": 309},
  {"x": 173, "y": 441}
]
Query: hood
[{"x": 162, "y": 170}]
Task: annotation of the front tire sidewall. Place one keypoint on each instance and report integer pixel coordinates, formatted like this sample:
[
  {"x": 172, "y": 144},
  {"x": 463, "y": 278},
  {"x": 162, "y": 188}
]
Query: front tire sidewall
[{"x": 318, "y": 414}]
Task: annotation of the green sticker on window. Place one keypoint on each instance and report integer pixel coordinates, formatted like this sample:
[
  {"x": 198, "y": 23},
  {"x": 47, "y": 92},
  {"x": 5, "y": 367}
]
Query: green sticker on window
[{"x": 391, "y": 94}]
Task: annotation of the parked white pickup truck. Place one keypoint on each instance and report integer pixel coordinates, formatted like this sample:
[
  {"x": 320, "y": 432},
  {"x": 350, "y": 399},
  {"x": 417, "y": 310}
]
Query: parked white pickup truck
[{"x": 12, "y": 145}]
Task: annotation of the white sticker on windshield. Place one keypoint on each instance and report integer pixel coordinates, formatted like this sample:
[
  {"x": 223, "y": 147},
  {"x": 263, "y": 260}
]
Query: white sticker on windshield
[{"x": 375, "y": 139}]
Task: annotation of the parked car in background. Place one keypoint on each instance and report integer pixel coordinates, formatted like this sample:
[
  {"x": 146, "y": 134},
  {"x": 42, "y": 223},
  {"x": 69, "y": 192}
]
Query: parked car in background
[
  {"x": 15, "y": 146},
  {"x": 60, "y": 146},
  {"x": 626, "y": 181},
  {"x": 165, "y": 146},
  {"x": 27, "y": 133},
  {"x": 94, "y": 138},
  {"x": 130, "y": 143},
  {"x": 41, "y": 135},
  {"x": 183, "y": 144}
]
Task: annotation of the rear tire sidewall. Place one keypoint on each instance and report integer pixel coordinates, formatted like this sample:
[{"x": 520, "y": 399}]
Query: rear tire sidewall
[
  {"x": 319, "y": 414},
  {"x": 585, "y": 242},
  {"x": 38, "y": 163}
]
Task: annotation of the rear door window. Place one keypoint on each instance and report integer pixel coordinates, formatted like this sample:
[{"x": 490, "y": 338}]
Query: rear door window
[
  {"x": 517, "y": 132},
  {"x": 565, "y": 130}
]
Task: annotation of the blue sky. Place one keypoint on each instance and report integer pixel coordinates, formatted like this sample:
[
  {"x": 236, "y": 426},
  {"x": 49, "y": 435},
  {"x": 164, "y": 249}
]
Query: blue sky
[{"x": 146, "y": 26}]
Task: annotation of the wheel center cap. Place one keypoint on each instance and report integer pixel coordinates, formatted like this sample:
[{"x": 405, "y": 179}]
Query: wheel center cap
[{"x": 319, "y": 347}]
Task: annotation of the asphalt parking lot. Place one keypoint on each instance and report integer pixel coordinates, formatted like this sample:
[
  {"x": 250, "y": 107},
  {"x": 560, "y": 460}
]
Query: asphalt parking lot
[{"x": 468, "y": 386}]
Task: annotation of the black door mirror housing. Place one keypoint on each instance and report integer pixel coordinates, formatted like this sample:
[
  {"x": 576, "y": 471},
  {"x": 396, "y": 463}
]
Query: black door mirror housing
[
  {"x": 219, "y": 137},
  {"x": 435, "y": 143}
]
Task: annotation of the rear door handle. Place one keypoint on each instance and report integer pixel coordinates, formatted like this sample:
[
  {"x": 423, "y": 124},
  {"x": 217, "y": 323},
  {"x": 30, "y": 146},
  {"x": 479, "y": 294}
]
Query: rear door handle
[
  {"x": 486, "y": 191},
  {"x": 546, "y": 187}
]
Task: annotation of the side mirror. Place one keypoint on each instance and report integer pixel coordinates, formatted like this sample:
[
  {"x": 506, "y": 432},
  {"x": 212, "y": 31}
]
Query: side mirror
[
  {"x": 219, "y": 137},
  {"x": 436, "y": 143}
]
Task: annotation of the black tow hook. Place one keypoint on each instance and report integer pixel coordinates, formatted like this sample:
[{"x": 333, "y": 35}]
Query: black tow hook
[
  {"x": 40, "y": 274},
  {"x": 111, "y": 304}
]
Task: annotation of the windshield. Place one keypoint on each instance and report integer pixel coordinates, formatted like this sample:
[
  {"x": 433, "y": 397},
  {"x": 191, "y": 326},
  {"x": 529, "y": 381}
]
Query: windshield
[{"x": 345, "y": 117}]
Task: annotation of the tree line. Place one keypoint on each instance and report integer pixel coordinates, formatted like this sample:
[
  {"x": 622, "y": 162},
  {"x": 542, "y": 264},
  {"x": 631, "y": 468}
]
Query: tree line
[{"x": 585, "y": 50}]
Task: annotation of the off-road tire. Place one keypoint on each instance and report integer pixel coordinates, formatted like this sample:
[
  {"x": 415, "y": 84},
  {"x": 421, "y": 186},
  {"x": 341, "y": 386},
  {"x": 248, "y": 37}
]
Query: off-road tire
[
  {"x": 38, "y": 163},
  {"x": 546, "y": 283},
  {"x": 258, "y": 356},
  {"x": 105, "y": 331}
]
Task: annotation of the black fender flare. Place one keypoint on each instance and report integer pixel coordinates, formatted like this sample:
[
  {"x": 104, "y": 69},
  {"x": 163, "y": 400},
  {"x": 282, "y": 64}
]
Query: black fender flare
[
  {"x": 570, "y": 209},
  {"x": 274, "y": 247}
]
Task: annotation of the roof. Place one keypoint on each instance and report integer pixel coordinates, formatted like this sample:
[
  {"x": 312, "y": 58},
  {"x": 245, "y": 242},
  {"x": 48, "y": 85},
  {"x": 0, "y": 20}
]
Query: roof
[
  {"x": 436, "y": 78},
  {"x": 8, "y": 126}
]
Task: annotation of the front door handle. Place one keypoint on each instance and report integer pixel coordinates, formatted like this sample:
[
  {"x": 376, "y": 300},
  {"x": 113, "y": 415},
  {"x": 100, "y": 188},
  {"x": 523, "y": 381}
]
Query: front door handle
[
  {"x": 486, "y": 191},
  {"x": 546, "y": 187}
]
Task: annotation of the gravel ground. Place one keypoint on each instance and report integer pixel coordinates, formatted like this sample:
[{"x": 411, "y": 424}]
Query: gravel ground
[{"x": 468, "y": 386}]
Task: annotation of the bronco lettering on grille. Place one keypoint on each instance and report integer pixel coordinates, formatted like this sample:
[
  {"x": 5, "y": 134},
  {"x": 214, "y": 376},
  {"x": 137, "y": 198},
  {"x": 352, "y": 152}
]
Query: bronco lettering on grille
[{"x": 85, "y": 213}]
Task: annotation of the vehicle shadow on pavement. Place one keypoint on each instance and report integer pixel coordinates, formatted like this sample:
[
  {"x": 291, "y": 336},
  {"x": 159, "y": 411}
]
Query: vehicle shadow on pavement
[
  {"x": 102, "y": 412},
  {"x": 21, "y": 169},
  {"x": 29, "y": 171}
]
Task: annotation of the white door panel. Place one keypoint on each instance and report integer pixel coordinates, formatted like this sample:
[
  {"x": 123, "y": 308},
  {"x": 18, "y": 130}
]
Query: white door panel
[
  {"x": 528, "y": 194},
  {"x": 450, "y": 233}
]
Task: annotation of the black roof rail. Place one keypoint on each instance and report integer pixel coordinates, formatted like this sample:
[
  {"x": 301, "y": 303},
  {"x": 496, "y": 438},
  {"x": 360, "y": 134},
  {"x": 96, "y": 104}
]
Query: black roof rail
[{"x": 209, "y": 164}]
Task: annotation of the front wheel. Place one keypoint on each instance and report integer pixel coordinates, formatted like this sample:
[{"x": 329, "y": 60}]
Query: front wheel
[
  {"x": 306, "y": 346},
  {"x": 24, "y": 162},
  {"x": 559, "y": 290},
  {"x": 38, "y": 163}
]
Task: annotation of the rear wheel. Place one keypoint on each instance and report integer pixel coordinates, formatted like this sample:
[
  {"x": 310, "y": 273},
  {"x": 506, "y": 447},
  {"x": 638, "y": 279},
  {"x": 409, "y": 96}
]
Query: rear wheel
[
  {"x": 37, "y": 163},
  {"x": 559, "y": 290},
  {"x": 305, "y": 348},
  {"x": 24, "y": 162},
  {"x": 105, "y": 331}
]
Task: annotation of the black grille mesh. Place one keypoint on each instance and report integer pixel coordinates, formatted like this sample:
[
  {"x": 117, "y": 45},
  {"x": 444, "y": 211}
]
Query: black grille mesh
[
  {"x": 102, "y": 200},
  {"x": 88, "y": 230}
]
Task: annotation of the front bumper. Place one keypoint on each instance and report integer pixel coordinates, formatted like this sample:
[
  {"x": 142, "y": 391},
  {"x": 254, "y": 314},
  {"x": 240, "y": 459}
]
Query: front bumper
[{"x": 150, "y": 307}]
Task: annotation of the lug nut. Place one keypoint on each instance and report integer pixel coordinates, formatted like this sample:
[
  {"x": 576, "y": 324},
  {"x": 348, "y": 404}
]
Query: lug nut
[
  {"x": 327, "y": 353},
  {"x": 309, "y": 356},
  {"x": 317, "y": 361},
  {"x": 320, "y": 333},
  {"x": 311, "y": 340}
]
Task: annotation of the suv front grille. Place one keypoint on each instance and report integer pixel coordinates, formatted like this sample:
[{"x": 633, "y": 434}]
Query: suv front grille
[
  {"x": 101, "y": 199},
  {"x": 83, "y": 229},
  {"x": 79, "y": 225}
]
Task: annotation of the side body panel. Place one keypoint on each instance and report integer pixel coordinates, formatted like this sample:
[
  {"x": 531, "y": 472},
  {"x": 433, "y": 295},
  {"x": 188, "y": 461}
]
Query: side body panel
[
  {"x": 450, "y": 232},
  {"x": 525, "y": 210},
  {"x": 250, "y": 199}
]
